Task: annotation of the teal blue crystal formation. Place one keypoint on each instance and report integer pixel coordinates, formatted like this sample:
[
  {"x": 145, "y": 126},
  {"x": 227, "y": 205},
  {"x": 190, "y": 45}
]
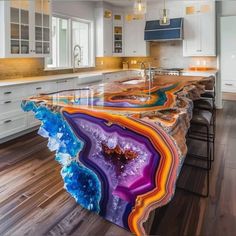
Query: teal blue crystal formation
[{"x": 80, "y": 182}]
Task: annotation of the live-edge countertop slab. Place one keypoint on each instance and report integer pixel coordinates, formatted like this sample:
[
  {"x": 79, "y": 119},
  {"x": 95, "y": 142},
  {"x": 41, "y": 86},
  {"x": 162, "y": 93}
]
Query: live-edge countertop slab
[{"x": 120, "y": 144}]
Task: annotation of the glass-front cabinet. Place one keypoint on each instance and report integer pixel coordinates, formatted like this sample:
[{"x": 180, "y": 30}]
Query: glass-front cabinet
[
  {"x": 42, "y": 27},
  {"x": 26, "y": 27},
  {"x": 19, "y": 27}
]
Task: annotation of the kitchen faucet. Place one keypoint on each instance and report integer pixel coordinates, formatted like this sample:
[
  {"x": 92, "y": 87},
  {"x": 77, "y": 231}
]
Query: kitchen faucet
[
  {"x": 76, "y": 55},
  {"x": 143, "y": 67},
  {"x": 150, "y": 80},
  {"x": 148, "y": 77}
]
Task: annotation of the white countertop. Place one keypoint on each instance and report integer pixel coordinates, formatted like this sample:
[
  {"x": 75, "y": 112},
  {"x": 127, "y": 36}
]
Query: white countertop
[{"x": 36, "y": 79}]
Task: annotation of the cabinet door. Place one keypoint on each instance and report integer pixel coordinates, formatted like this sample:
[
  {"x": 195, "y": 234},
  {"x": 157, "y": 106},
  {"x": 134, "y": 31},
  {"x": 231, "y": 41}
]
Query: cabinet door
[
  {"x": 42, "y": 27},
  {"x": 129, "y": 38},
  {"x": 19, "y": 27},
  {"x": 207, "y": 27},
  {"x": 191, "y": 44},
  {"x": 192, "y": 31},
  {"x": 107, "y": 36},
  {"x": 134, "y": 38}
]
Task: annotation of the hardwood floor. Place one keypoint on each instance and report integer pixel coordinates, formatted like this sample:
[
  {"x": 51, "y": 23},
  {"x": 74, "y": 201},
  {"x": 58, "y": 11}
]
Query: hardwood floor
[{"x": 33, "y": 201}]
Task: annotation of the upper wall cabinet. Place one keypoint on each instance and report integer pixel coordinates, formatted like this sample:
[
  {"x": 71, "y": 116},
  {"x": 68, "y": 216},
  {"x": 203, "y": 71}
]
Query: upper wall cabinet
[
  {"x": 135, "y": 45},
  {"x": 25, "y": 27},
  {"x": 199, "y": 29},
  {"x": 104, "y": 18}
]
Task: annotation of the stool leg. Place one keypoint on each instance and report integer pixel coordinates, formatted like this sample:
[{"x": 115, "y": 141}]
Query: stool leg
[{"x": 207, "y": 169}]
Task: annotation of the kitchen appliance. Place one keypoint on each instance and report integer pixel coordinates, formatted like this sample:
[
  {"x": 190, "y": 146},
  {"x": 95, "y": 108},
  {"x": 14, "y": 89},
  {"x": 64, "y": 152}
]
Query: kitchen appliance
[
  {"x": 166, "y": 71},
  {"x": 156, "y": 31}
]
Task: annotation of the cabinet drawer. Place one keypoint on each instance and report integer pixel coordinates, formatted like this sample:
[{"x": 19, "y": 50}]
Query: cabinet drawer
[
  {"x": 65, "y": 84},
  {"x": 11, "y": 92},
  {"x": 12, "y": 125},
  {"x": 45, "y": 87},
  {"x": 32, "y": 121},
  {"x": 89, "y": 80},
  {"x": 229, "y": 86},
  {"x": 10, "y": 107}
]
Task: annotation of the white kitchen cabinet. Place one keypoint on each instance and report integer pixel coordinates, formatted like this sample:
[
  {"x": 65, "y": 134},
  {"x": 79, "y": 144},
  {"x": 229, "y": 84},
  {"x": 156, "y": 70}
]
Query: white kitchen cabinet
[
  {"x": 103, "y": 18},
  {"x": 199, "y": 29},
  {"x": 26, "y": 27},
  {"x": 135, "y": 45},
  {"x": 13, "y": 120}
]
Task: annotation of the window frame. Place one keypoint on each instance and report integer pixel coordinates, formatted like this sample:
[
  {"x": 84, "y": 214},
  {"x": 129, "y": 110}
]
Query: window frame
[{"x": 91, "y": 48}]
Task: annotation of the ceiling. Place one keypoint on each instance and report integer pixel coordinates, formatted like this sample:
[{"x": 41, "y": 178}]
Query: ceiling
[{"x": 124, "y": 3}]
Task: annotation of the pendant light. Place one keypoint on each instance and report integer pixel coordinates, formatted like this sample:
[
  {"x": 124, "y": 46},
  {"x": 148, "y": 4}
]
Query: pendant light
[
  {"x": 164, "y": 20},
  {"x": 140, "y": 7}
]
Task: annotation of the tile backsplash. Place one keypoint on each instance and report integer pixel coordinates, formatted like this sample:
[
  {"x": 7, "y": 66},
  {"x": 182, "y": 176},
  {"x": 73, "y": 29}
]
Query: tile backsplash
[{"x": 11, "y": 68}]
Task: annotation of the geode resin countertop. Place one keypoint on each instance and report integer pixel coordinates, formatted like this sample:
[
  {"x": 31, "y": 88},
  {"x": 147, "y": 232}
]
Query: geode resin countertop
[{"x": 121, "y": 145}]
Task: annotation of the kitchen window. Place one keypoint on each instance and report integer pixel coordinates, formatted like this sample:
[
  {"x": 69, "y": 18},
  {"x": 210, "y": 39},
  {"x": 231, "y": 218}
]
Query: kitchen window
[{"x": 72, "y": 43}]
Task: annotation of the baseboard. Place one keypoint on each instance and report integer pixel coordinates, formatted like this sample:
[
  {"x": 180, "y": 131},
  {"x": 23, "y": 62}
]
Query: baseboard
[
  {"x": 17, "y": 135},
  {"x": 229, "y": 96}
]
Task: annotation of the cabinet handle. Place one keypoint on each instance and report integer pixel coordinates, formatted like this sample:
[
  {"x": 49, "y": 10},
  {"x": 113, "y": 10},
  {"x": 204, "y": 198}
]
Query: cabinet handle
[
  {"x": 7, "y": 121},
  {"x": 199, "y": 50},
  {"x": 61, "y": 81},
  {"x": 38, "y": 88},
  {"x": 229, "y": 84},
  {"x": 7, "y": 93},
  {"x": 7, "y": 102}
]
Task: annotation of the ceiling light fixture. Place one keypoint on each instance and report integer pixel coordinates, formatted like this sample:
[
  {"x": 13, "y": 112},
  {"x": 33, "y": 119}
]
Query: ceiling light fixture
[
  {"x": 164, "y": 20},
  {"x": 140, "y": 7}
]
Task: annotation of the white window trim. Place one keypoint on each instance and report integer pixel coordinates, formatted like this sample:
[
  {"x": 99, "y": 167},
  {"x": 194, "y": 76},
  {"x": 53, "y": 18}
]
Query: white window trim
[{"x": 91, "y": 43}]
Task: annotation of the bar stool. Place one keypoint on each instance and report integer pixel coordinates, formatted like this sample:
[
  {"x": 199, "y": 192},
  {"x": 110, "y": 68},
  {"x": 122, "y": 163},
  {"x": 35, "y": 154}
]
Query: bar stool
[
  {"x": 207, "y": 102},
  {"x": 202, "y": 119}
]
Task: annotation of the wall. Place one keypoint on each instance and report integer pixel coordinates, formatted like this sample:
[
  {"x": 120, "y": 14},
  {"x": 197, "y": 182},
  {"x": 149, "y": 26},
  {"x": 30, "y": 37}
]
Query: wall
[
  {"x": 83, "y": 10},
  {"x": 164, "y": 54},
  {"x": 170, "y": 55},
  {"x": 24, "y": 67}
]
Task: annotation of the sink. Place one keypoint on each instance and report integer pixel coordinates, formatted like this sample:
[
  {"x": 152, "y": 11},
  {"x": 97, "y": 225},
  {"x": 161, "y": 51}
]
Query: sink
[{"x": 135, "y": 81}]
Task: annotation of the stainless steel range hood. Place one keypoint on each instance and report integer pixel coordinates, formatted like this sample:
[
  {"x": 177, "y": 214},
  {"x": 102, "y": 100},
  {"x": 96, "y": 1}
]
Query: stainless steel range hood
[{"x": 156, "y": 32}]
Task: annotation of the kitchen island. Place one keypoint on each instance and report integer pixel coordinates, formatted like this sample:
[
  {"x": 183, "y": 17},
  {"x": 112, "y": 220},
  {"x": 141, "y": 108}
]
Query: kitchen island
[{"x": 121, "y": 145}]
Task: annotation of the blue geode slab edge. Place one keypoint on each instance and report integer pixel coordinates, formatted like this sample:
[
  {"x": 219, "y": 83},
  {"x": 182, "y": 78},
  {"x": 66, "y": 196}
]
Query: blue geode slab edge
[{"x": 79, "y": 181}]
